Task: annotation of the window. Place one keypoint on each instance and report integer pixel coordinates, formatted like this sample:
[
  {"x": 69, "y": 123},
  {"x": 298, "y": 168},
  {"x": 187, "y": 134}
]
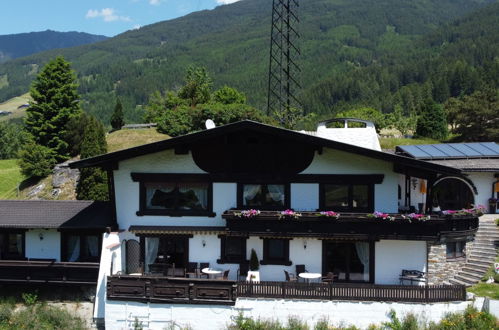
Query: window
[
  {"x": 455, "y": 249},
  {"x": 347, "y": 197},
  {"x": 12, "y": 246},
  {"x": 233, "y": 249},
  {"x": 81, "y": 247},
  {"x": 276, "y": 252},
  {"x": 176, "y": 198},
  {"x": 263, "y": 196}
]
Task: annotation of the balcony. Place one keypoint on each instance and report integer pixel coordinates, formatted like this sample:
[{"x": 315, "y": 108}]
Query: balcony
[
  {"x": 160, "y": 289},
  {"x": 24, "y": 271},
  {"x": 350, "y": 225}
]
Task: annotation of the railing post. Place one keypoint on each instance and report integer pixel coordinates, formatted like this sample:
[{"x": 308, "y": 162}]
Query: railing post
[
  {"x": 330, "y": 290},
  {"x": 283, "y": 290},
  {"x": 426, "y": 293}
]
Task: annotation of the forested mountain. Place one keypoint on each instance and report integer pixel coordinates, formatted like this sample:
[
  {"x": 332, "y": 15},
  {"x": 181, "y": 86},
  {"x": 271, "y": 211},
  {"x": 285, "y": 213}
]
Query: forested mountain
[
  {"x": 23, "y": 44},
  {"x": 353, "y": 52}
]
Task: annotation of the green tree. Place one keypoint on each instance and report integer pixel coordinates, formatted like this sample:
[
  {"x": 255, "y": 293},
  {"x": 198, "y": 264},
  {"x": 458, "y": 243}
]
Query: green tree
[
  {"x": 117, "y": 120},
  {"x": 477, "y": 116},
  {"x": 12, "y": 137},
  {"x": 75, "y": 130},
  {"x": 55, "y": 101},
  {"x": 228, "y": 95},
  {"x": 92, "y": 184},
  {"x": 158, "y": 104},
  {"x": 432, "y": 122},
  {"x": 289, "y": 117},
  {"x": 400, "y": 121},
  {"x": 366, "y": 113},
  {"x": 197, "y": 86},
  {"x": 36, "y": 161}
]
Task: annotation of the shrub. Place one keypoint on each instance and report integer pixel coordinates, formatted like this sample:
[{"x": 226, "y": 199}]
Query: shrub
[
  {"x": 41, "y": 316},
  {"x": 29, "y": 298},
  {"x": 254, "y": 263},
  {"x": 36, "y": 161}
]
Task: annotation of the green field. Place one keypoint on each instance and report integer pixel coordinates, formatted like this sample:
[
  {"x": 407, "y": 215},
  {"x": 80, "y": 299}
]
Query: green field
[
  {"x": 391, "y": 143},
  {"x": 10, "y": 177},
  {"x": 12, "y": 106},
  {"x": 128, "y": 138}
]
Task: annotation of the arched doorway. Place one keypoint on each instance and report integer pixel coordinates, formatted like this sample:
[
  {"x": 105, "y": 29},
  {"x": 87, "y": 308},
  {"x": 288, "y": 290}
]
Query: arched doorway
[{"x": 452, "y": 194}]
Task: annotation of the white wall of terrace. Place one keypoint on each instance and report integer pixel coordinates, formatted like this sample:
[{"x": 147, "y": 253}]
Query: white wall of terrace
[{"x": 43, "y": 244}]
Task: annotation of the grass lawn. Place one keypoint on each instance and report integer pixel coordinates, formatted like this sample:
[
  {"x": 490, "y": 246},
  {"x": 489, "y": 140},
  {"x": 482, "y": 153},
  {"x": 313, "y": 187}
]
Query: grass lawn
[
  {"x": 12, "y": 104},
  {"x": 390, "y": 143},
  {"x": 482, "y": 289},
  {"x": 127, "y": 138},
  {"x": 10, "y": 177}
]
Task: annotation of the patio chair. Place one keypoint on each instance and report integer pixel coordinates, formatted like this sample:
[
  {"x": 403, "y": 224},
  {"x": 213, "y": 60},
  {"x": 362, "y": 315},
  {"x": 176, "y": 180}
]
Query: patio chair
[
  {"x": 243, "y": 270},
  {"x": 412, "y": 276},
  {"x": 329, "y": 278},
  {"x": 201, "y": 266},
  {"x": 226, "y": 275},
  {"x": 192, "y": 269},
  {"x": 170, "y": 270},
  {"x": 288, "y": 277},
  {"x": 300, "y": 269}
]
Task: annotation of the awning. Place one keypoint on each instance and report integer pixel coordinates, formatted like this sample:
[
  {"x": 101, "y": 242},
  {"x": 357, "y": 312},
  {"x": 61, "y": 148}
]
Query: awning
[{"x": 176, "y": 230}]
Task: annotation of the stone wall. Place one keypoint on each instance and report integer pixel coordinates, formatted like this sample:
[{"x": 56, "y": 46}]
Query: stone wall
[{"x": 441, "y": 269}]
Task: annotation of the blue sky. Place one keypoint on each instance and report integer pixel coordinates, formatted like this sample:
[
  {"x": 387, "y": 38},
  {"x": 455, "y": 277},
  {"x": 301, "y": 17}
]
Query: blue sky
[{"x": 107, "y": 17}]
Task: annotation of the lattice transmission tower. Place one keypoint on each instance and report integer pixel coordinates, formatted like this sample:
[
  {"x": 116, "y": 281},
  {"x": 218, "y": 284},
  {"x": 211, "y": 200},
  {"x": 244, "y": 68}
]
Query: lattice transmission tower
[{"x": 284, "y": 71}]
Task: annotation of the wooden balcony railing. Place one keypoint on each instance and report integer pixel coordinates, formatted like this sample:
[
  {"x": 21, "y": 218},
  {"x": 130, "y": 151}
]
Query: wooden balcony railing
[
  {"x": 213, "y": 292},
  {"x": 24, "y": 271},
  {"x": 359, "y": 225}
]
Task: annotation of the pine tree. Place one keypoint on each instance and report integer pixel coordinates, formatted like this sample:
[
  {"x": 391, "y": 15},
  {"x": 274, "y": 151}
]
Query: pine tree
[
  {"x": 93, "y": 181},
  {"x": 55, "y": 101},
  {"x": 117, "y": 120},
  {"x": 432, "y": 122}
]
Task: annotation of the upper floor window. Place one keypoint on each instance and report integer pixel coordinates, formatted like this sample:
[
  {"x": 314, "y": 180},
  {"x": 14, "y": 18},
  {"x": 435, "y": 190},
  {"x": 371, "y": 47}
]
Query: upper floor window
[
  {"x": 347, "y": 197},
  {"x": 177, "y": 196},
  {"x": 263, "y": 196}
]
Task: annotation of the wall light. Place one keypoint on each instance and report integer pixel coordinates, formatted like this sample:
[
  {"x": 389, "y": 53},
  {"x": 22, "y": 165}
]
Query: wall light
[
  {"x": 305, "y": 244},
  {"x": 414, "y": 182},
  {"x": 40, "y": 236},
  {"x": 204, "y": 243}
]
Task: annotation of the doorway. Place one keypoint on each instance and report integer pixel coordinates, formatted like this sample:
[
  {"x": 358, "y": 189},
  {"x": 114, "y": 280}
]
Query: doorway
[
  {"x": 349, "y": 261},
  {"x": 452, "y": 194},
  {"x": 173, "y": 249}
]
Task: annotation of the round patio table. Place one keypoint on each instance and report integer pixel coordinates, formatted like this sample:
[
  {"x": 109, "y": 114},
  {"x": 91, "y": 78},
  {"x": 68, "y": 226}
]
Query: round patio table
[
  {"x": 211, "y": 272},
  {"x": 310, "y": 276}
]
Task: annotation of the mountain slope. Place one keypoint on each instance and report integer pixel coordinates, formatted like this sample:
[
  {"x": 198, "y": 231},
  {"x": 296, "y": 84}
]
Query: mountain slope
[
  {"x": 232, "y": 41},
  {"x": 24, "y": 44}
]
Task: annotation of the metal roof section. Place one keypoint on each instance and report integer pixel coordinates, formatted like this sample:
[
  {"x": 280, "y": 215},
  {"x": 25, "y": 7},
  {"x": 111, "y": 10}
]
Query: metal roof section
[{"x": 450, "y": 150}]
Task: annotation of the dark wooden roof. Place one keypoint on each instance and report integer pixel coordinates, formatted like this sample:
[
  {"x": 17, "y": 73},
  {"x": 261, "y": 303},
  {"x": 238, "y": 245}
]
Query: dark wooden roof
[
  {"x": 55, "y": 214},
  {"x": 110, "y": 160}
]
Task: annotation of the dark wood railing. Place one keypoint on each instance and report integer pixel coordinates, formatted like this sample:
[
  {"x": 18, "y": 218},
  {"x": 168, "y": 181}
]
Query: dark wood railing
[
  {"x": 25, "y": 271},
  {"x": 197, "y": 291},
  {"x": 358, "y": 225}
]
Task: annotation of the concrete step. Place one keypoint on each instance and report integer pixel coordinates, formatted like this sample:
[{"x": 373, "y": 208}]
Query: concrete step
[
  {"x": 478, "y": 269},
  {"x": 482, "y": 253},
  {"x": 471, "y": 274},
  {"x": 480, "y": 262},
  {"x": 466, "y": 279},
  {"x": 457, "y": 281}
]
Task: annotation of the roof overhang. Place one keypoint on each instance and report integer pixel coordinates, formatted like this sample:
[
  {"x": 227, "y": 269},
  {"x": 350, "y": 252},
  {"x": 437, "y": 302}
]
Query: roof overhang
[{"x": 176, "y": 230}]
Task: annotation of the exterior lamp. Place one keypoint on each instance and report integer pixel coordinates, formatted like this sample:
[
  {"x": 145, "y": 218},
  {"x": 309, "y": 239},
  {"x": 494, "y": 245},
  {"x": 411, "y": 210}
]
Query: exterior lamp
[
  {"x": 305, "y": 244},
  {"x": 40, "y": 236},
  {"x": 414, "y": 182},
  {"x": 204, "y": 243}
]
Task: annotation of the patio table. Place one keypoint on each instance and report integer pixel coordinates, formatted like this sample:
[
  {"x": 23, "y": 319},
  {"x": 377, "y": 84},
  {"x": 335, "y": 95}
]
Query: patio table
[
  {"x": 310, "y": 276},
  {"x": 211, "y": 272}
]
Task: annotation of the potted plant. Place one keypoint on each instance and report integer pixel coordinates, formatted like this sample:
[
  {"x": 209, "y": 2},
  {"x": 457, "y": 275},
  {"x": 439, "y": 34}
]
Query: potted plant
[{"x": 254, "y": 265}]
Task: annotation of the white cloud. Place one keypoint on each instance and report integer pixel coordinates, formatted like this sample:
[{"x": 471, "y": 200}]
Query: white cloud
[
  {"x": 154, "y": 2},
  {"x": 136, "y": 27},
  {"x": 107, "y": 14},
  {"x": 226, "y": 2}
]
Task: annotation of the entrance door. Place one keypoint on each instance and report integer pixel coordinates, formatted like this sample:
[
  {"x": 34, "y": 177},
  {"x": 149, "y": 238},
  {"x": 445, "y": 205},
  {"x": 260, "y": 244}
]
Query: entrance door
[
  {"x": 349, "y": 261},
  {"x": 453, "y": 194},
  {"x": 174, "y": 250}
]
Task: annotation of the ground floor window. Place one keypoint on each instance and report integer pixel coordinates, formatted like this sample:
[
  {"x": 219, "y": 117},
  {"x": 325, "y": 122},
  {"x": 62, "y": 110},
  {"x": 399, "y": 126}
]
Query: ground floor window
[
  {"x": 166, "y": 250},
  {"x": 455, "y": 249},
  {"x": 233, "y": 249},
  {"x": 275, "y": 252},
  {"x": 349, "y": 261},
  {"x": 12, "y": 245},
  {"x": 81, "y": 247}
]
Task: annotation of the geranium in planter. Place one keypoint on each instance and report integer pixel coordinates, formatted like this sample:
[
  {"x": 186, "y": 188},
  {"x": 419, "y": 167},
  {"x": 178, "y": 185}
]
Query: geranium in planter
[
  {"x": 289, "y": 214},
  {"x": 381, "y": 216},
  {"x": 329, "y": 214},
  {"x": 247, "y": 213},
  {"x": 416, "y": 217}
]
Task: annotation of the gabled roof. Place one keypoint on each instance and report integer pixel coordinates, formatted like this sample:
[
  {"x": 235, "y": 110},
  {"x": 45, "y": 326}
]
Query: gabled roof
[
  {"x": 107, "y": 160},
  {"x": 55, "y": 214}
]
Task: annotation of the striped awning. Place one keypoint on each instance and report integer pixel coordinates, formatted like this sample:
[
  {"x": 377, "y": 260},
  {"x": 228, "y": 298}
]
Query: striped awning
[{"x": 176, "y": 230}]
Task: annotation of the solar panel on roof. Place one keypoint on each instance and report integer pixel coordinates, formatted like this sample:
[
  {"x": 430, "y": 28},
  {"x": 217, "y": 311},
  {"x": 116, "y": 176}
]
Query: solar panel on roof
[
  {"x": 414, "y": 151},
  {"x": 432, "y": 151},
  {"x": 462, "y": 147},
  {"x": 448, "y": 150},
  {"x": 478, "y": 147},
  {"x": 492, "y": 146}
]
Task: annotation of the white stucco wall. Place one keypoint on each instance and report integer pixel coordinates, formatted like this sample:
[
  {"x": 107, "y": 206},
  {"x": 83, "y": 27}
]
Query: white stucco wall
[
  {"x": 121, "y": 315},
  {"x": 483, "y": 182},
  {"x": 391, "y": 256},
  {"x": 340, "y": 162},
  {"x": 47, "y": 248}
]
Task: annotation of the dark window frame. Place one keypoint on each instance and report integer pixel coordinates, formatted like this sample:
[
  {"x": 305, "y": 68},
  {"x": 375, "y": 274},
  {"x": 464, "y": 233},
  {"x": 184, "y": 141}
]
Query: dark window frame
[
  {"x": 166, "y": 178},
  {"x": 461, "y": 251},
  {"x": 4, "y": 249},
  {"x": 232, "y": 259},
  {"x": 287, "y": 196},
  {"x": 284, "y": 261},
  {"x": 64, "y": 240},
  {"x": 350, "y": 208}
]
